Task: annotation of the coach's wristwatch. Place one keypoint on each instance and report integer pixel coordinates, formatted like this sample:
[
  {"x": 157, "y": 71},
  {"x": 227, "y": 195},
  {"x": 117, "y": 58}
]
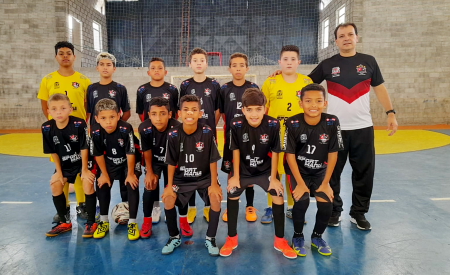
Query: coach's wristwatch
[{"x": 390, "y": 111}]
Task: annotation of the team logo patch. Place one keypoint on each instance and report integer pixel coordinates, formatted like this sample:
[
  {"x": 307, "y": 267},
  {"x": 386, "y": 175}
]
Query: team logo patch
[
  {"x": 280, "y": 94},
  {"x": 120, "y": 141},
  {"x": 273, "y": 122},
  {"x": 227, "y": 164},
  {"x": 175, "y": 188},
  {"x": 193, "y": 91},
  {"x": 73, "y": 138},
  {"x": 96, "y": 132},
  {"x": 207, "y": 92},
  {"x": 148, "y": 97},
  {"x": 264, "y": 138},
  {"x": 141, "y": 89},
  {"x": 199, "y": 146},
  {"x": 324, "y": 138},
  {"x": 232, "y": 97},
  {"x": 174, "y": 133},
  {"x": 46, "y": 128},
  {"x": 361, "y": 70},
  {"x": 331, "y": 121},
  {"x": 237, "y": 123},
  {"x": 166, "y": 95},
  {"x": 245, "y": 137},
  {"x": 55, "y": 140},
  {"x": 206, "y": 129},
  {"x": 76, "y": 85},
  {"x": 303, "y": 138},
  {"x": 112, "y": 93},
  {"x": 295, "y": 123},
  {"x": 335, "y": 72},
  {"x": 148, "y": 130},
  {"x": 299, "y": 94},
  {"x": 123, "y": 129},
  {"x": 56, "y": 86},
  {"x": 95, "y": 94}
]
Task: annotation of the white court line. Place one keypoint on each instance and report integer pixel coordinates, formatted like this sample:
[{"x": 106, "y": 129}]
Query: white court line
[
  {"x": 440, "y": 199},
  {"x": 382, "y": 201},
  {"x": 16, "y": 202}
]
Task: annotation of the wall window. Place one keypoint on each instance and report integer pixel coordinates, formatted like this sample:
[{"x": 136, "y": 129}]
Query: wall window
[
  {"x": 340, "y": 15},
  {"x": 325, "y": 33},
  {"x": 100, "y": 6},
  {"x": 324, "y": 3},
  {"x": 97, "y": 36},
  {"x": 75, "y": 32}
]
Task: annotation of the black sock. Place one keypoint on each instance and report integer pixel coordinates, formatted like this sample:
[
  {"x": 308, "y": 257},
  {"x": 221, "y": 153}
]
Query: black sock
[
  {"x": 278, "y": 219},
  {"x": 249, "y": 195},
  {"x": 123, "y": 191},
  {"x": 192, "y": 200},
  {"x": 183, "y": 210},
  {"x": 171, "y": 219},
  {"x": 213, "y": 223},
  {"x": 60, "y": 205},
  {"x": 147, "y": 202},
  {"x": 91, "y": 201},
  {"x": 323, "y": 215},
  {"x": 233, "y": 210},
  {"x": 298, "y": 214},
  {"x": 133, "y": 201},
  {"x": 104, "y": 198}
]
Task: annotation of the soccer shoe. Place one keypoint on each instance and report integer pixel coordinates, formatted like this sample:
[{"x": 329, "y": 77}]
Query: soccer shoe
[
  {"x": 268, "y": 216},
  {"x": 171, "y": 244},
  {"x": 97, "y": 214},
  {"x": 185, "y": 228},
  {"x": 59, "y": 228},
  {"x": 57, "y": 219},
  {"x": 225, "y": 216},
  {"x": 102, "y": 229},
  {"x": 156, "y": 214},
  {"x": 89, "y": 230},
  {"x": 360, "y": 221},
  {"x": 281, "y": 244},
  {"x": 250, "y": 214},
  {"x": 192, "y": 214},
  {"x": 133, "y": 231},
  {"x": 289, "y": 213},
  {"x": 146, "y": 229},
  {"x": 335, "y": 219},
  {"x": 298, "y": 244},
  {"x": 321, "y": 246},
  {"x": 206, "y": 213},
  {"x": 213, "y": 250},
  {"x": 230, "y": 244},
  {"x": 81, "y": 211}
]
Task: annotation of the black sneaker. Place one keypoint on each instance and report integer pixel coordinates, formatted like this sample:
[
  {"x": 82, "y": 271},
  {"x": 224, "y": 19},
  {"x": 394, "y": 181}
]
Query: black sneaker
[
  {"x": 57, "y": 219},
  {"x": 81, "y": 211},
  {"x": 335, "y": 219},
  {"x": 360, "y": 222}
]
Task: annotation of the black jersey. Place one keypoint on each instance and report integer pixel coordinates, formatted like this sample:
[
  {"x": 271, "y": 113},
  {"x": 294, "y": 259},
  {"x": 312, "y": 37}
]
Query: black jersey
[
  {"x": 146, "y": 92},
  {"x": 255, "y": 144},
  {"x": 115, "y": 146},
  {"x": 152, "y": 139},
  {"x": 208, "y": 92},
  {"x": 230, "y": 100},
  {"x": 192, "y": 154},
  {"x": 312, "y": 143},
  {"x": 67, "y": 143},
  {"x": 113, "y": 90}
]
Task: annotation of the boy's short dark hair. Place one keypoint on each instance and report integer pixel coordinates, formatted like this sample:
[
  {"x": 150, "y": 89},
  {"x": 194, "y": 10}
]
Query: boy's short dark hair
[
  {"x": 190, "y": 98},
  {"x": 343, "y": 25},
  {"x": 106, "y": 104},
  {"x": 312, "y": 87},
  {"x": 253, "y": 97},
  {"x": 290, "y": 48},
  {"x": 157, "y": 59},
  {"x": 198, "y": 51},
  {"x": 160, "y": 102},
  {"x": 59, "y": 97},
  {"x": 236, "y": 55},
  {"x": 64, "y": 44}
]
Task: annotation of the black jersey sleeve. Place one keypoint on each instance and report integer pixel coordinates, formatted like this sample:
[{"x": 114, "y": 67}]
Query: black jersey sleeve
[
  {"x": 172, "y": 148},
  {"x": 336, "y": 143},
  {"x": 84, "y": 136},
  {"x": 234, "y": 140},
  {"x": 377, "y": 78},
  {"x": 317, "y": 75},
  {"x": 275, "y": 145},
  {"x": 97, "y": 146},
  {"x": 183, "y": 88},
  {"x": 49, "y": 147},
  {"x": 217, "y": 93},
  {"x": 174, "y": 97},
  {"x": 125, "y": 102},
  {"x": 146, "y": 134},
  {"x": 290, "y": 141},
  {"x": 140, "y": 100},
  {"x": 214, "y": 154},
  {"x": 90, "y": 100},
  {"x": 130, "y": 147},
  {"x": 221, "y": 96}
]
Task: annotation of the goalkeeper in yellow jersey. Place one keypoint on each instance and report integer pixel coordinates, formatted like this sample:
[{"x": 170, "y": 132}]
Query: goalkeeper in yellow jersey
[{"x": 283, "y": 92}]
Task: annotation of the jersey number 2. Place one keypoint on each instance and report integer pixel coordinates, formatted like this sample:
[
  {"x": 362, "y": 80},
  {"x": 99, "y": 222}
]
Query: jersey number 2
[{"x": 289, "y": 106}]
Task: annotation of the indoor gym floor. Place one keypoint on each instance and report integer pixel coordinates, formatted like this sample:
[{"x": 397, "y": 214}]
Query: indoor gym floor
[{"x": 410, "y": 216}]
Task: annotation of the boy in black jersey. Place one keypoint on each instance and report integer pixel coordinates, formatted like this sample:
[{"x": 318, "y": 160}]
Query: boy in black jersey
[
  {"x": 230, "y": 106},
  {"x": 255, "y": 142},
  {"x": 192, "y": 156},
  {"x": 153, "y": 133},
  {"x": 113, "y": 145},
  {"x": 157, "y": 87},
  {"x": 207, "y": 89},
  {"x": 312, "y": 141},
  {"x": 65, "y": 138}
]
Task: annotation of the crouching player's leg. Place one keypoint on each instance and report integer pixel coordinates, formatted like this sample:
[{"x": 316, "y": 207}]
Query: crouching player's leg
[
  {"x": 88, "y": 178},
  {"x": 169, "y": 198},
  {"x": 57, "y": 183},
  {"x": 214, "y": 196},
  {"x": 132, "y": 183}
]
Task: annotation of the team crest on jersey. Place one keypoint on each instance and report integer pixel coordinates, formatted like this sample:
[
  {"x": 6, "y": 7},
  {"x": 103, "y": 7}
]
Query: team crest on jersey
[
  {"x": 335, "y": 72},
  {"x": 123, "y": 129},
  {"x": 95, "y": 94},
  {"x": 175, "y": 188},
  {"x": 76, "y": 85},
  {"x": 295, "y": 123},
  {"x": 227, "y": 164},
  {"x": 237, "y": 123},
  {"x": 193, "y": 91},
  {"x": 361, "y": 69},
  {"x": 56, "y": 86},
  {"x": 324, "y": 138},
  {"x": 331, "y": 121},
  {"x": 46, "y": 128},
  {"x": 280, "y": 94},
  {"x": 173, "y": 134},
  {"x": 245, "y": 137},
  {"x": 303, "y": 138},
  {"x": 55, "y": 140},
  {"x": 148, "y": 130},
  {"x": 166, "y": 95},
  {"x": 273, "y": 122},
  {"x": 207, "y": 92},
  {"x": 232, "y": 97},
  {"x": 73, "y": 138},
  {"x": 112, "y": 93},
  {"x": 199, "y": 146},
  {"x": 264, "y": 138},
  {"x": 148, "y": 97},
  {"x": 141, "y": 89},
  {"x": 206, "y": 129},
  {"x": 121, "y": 143},
  {"x": 96, "y": 132},
  {"x": 299, "y": 94}
]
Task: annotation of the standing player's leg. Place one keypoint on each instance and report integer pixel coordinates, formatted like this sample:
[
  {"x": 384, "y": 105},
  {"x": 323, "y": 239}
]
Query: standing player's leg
[
  {"x": 250, "y": 211},
  {"x": 280, "y": 243},
  {"x": 290, "y": 199},
  {"x": 185, "y": 227},
  {"x": 59, "y": 200},
  {"x": 324, "y": 208},
  {"x": 232, "y": 239},
  {"x": 171, "y": 219},
  {"x": 192, "y": 211},
  {"x": 133, "y": 202},
  {"x": 81, "y": 198}
]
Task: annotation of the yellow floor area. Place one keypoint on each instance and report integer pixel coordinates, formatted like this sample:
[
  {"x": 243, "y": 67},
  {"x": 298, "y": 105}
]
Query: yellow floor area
[{"x": 30, "y": 144}]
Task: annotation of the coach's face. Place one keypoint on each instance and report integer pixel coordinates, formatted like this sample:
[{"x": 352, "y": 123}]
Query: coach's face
[{"x": 346, "y": 39}]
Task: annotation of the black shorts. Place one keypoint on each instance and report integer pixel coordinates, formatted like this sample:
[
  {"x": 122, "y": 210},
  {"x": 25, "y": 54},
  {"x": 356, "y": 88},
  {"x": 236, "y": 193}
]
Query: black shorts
[
  {"x": 227, "y": 159},
  {"x": 71, "y": 174},
  {"x": 186, "y": 190},
  {"x": 160, "y": 170},
  {"x": 312, "y": 182},
  {"x": 263, "y": 181}
]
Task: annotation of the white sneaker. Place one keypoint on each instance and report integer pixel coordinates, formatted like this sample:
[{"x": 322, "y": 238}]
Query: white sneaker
[{"x": 156, "y": 214}]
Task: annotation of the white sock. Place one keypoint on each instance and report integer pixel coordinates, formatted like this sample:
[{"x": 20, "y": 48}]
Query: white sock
[
  {"x": 192, "y": 207},
  {"x": 104, "y": 218},
  {"x": 183, "y": 216},
  {"x": 131, "y": 221}
]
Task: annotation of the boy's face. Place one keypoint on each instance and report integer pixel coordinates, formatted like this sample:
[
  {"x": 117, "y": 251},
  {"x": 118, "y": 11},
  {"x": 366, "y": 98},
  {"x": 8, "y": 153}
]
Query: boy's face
[
  {"x": 65, "y": 57},
  {"x": 106, "y": 68},
  {"x": 254, "y": 114},
  {"x": 346, "y": 38},
  {"x": 108, "y": 119},
  {"x": 313, "y": 103},
  {"x": 238, "y": 68},
  {"x": 60, "y": 110},
  {"x": 198, "y": 63},
  {"x": 156, "y": 70},
  {"x": 190, "y": 112},
  {"x": 289, "y": 62},
  {"x": 159, "y": 116}
]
